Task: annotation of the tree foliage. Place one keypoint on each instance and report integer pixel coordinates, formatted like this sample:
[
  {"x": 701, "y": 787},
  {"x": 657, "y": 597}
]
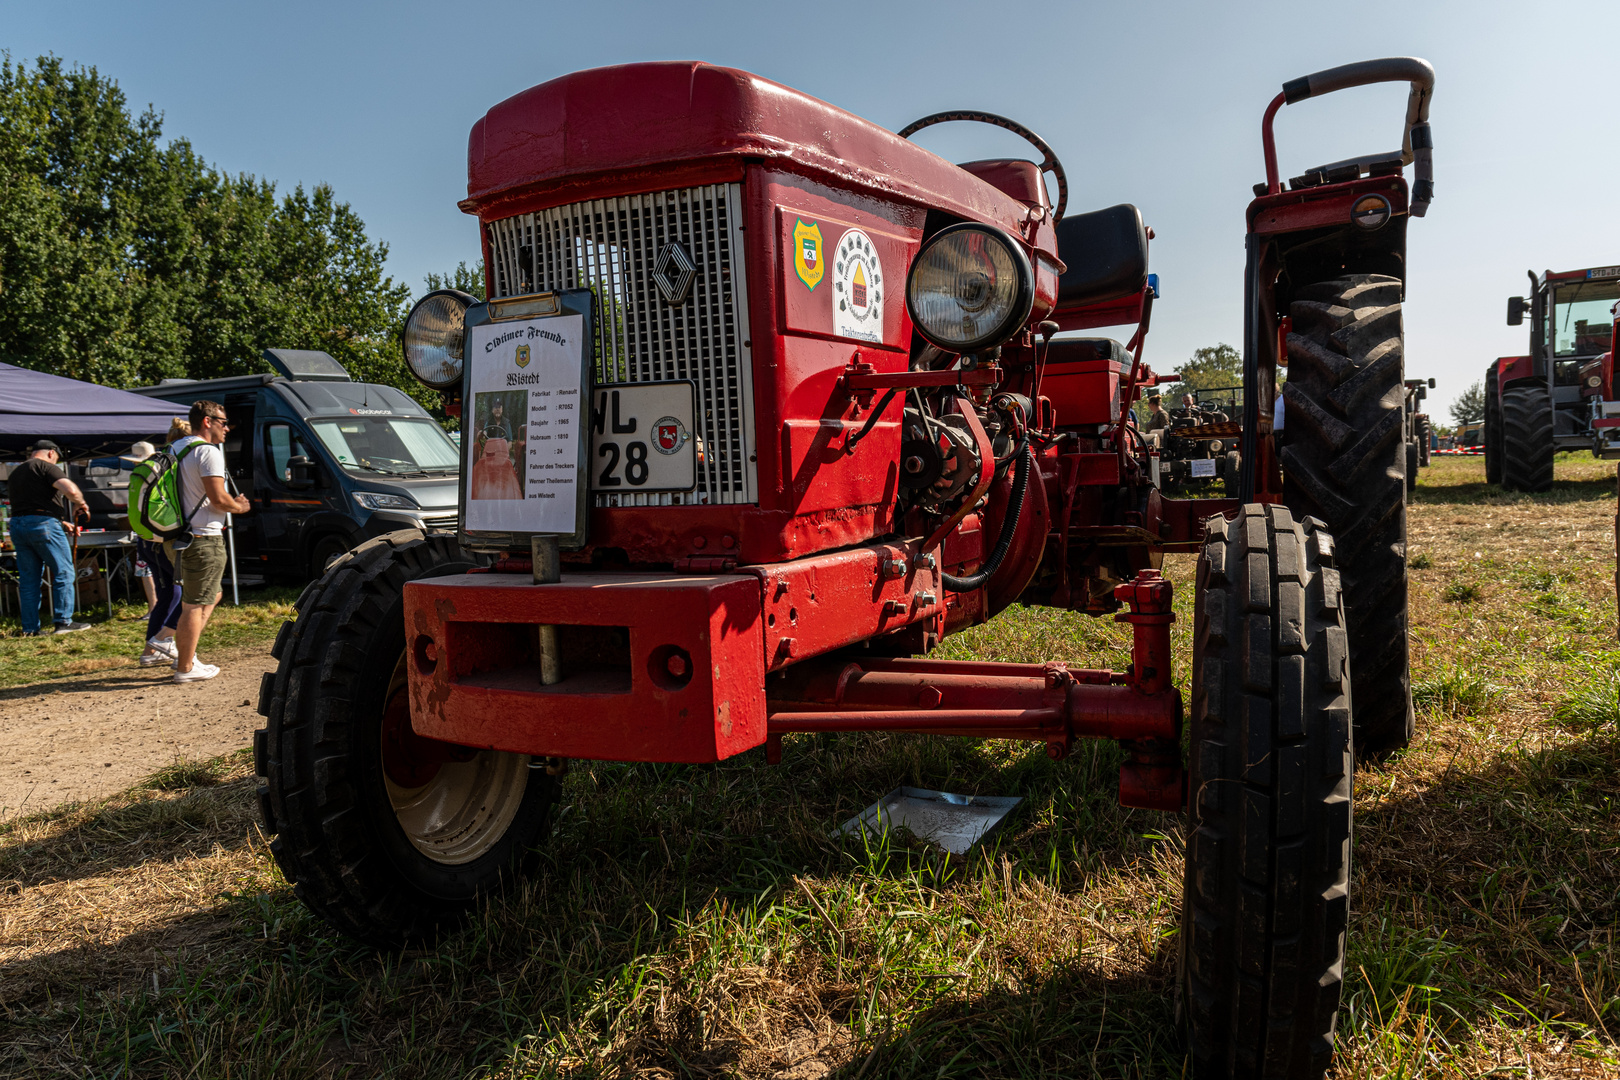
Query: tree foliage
[
  {"x": 1209, "y": 367},
  {"x": 1469, "y": 408},
  {"x": 125, "y": 259},
  {"x": 468, "y": 279}
]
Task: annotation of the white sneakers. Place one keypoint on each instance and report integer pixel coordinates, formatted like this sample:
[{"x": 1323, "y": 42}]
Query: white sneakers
[
  {"x": 163, "y": 652},
  {"x": 199, "y": 671}
]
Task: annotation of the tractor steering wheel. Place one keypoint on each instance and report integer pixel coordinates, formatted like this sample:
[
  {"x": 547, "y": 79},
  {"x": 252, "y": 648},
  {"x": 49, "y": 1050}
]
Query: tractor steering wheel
[{"x": 1049, "y": 160}]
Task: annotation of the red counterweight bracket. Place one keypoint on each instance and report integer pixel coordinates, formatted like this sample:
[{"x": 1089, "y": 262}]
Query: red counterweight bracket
[
  {"x": 1048, "y": 703},
  {"x": 1153, "y": 777}
]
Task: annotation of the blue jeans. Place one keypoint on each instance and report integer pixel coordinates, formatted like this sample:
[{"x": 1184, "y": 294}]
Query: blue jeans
[{"x": 42, "y": 542}]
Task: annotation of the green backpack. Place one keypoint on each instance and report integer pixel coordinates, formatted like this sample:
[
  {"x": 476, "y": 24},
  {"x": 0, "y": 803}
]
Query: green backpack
[{"x": 155, "y": 510}]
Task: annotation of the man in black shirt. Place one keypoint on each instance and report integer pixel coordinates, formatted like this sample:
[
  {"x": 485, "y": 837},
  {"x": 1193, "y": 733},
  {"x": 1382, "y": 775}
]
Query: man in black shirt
[{"x": 40, "y": 494}]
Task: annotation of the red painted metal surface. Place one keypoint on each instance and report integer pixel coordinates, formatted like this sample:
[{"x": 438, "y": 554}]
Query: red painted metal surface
[
  {"x": 1511, "y": 369},
  {"x": 1321, "y": 206},
  {"x": 475, "y": 679}
]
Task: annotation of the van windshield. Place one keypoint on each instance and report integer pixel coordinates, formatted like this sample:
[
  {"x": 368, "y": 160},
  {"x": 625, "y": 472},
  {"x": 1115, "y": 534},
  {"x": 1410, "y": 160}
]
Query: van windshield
[{"x": 391, "y": 445}]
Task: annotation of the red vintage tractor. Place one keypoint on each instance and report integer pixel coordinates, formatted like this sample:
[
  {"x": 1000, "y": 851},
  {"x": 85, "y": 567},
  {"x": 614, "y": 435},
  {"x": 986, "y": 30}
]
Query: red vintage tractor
[
  {"x": 766, "y": 401},
  {"x": 1561, "y": 395}
]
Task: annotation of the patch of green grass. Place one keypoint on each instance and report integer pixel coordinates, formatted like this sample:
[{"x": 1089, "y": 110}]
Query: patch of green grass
[
  {"x": 117, "y": 641},
  {"x": 1461, "y": 592},
  {"x": 182, "y": 774},
  {"x": 1593, "y": 702},
  {"x": 1456, "y": 691},
  {"x": 1421, "y": 561}
]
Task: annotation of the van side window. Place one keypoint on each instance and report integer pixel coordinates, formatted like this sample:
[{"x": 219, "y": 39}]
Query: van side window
[{"x": 281, "y": 442}]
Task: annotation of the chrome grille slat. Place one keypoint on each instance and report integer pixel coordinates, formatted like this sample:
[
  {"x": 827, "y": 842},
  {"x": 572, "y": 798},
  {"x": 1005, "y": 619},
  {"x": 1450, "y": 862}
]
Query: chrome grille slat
[{"x": 610, "y": 246}]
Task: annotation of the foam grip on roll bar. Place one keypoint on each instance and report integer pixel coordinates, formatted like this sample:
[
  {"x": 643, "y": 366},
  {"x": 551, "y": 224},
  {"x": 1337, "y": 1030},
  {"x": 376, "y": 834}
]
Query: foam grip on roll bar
[
  {"x": 1422, "y": 169},
  {"x": 1390, "y": 69}
]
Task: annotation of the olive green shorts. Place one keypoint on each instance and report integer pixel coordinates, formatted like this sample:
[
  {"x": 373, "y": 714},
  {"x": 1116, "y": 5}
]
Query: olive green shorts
[{"x": 202, "y": 569}]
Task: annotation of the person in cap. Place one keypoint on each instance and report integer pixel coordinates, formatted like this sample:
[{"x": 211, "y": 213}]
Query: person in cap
[
  {"x": 41, "y": 495},
  {"x": 1158, "y": 417}
]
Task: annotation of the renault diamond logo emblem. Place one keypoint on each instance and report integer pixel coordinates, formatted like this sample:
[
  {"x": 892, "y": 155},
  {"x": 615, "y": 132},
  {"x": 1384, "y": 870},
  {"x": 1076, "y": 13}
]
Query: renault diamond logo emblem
[{"x": 673, "y": 273}]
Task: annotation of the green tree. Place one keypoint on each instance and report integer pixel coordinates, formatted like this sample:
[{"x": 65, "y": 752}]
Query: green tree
[
  {"x": 467, "y": 279},
  {"x": 1469, "y": 408},
  {"x": 125, "y": 260}
]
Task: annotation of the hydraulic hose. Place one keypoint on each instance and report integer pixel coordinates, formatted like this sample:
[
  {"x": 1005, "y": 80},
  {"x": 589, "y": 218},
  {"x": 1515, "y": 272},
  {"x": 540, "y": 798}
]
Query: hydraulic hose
[{"x": 1009, "y": 527}]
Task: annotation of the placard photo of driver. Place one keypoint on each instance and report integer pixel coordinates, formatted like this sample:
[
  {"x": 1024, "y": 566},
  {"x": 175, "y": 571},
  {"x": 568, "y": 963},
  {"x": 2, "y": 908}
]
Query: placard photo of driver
[{"x": 498, "y": 438}]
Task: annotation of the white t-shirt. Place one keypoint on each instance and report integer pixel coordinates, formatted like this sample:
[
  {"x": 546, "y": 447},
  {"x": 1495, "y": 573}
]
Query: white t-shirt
[{"x": 203, "y": 460}]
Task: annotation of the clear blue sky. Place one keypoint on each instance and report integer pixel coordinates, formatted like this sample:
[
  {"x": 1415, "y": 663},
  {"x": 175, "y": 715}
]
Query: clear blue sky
[{"x": 1153, "y": 103}]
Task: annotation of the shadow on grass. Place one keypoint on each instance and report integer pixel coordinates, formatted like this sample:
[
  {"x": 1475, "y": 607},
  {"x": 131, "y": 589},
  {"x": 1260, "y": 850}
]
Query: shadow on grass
[
  {"x": 1494, "y": 894},
  {"x": 1483, "y": 494}
]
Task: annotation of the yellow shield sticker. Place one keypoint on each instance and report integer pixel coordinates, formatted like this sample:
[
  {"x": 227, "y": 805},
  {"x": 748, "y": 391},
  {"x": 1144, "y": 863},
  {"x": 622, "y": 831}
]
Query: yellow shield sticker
[
  {"x": 522, "y": 356},
  {"x": 807, "y": 252}
]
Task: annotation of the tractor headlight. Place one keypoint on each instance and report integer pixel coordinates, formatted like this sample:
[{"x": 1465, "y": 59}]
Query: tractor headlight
[
  {"x": 1594, "y": 381},
  {"x": 970, "y": 287},
  {"x": 433, "y": 336}
]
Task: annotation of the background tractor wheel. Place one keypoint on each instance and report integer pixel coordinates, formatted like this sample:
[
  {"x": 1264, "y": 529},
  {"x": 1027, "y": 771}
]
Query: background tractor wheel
[
  {"x": 1527, "y": 438},
  {"x": 1491, "y": 436},
  {"x": 1414, "y": 457},
  {"x": 1267, "y": 887},
  {"x": 385, "y": 834},
  {"x": 1343, "y": 458},
  {"x": 1425, "y": 438}
]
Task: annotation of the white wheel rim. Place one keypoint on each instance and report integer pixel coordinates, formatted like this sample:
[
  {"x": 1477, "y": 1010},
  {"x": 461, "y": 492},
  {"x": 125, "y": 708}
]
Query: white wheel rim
[{"x": 466, "y": 808}]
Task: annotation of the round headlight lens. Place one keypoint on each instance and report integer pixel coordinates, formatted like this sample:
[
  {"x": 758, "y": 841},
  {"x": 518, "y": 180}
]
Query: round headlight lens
[
  {"x": 433, "y": 335},
  {"x": 970, "y": 288}
]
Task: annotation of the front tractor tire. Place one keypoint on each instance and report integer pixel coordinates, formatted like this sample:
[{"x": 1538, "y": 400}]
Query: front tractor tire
[
  {"x": 1267, "y": 888},
  {"x": 1527, "y": 438},
  {"x": 386, "y": 835},
  {"x": 1344, "y": 461}
]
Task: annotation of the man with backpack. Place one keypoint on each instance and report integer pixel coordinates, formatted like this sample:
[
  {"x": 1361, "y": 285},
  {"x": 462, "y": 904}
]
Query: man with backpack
[{"x": 198, "y": 552}]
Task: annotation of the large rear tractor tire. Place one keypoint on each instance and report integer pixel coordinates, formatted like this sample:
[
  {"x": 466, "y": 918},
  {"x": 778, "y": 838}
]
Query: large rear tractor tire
[
  {"x": 1491, "y": 437},
  {"x": 385, "y": 834},
  {"x": 1527, "y": 438},
  {"x": 1344, "y": 461},
  {"x": 1267, "y": 888}
]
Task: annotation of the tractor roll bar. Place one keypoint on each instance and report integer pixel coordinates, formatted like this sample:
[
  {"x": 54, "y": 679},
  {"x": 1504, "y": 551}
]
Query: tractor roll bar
[{"x": 1417, "y": 144}]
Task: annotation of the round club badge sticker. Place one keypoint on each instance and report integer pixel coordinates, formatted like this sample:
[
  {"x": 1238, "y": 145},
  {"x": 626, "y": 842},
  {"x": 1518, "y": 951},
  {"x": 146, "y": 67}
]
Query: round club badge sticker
[
  {"x": 669, "y": 435},
  {"x": 1370, "y": 212},
  {"x": 857, "y": 293}
]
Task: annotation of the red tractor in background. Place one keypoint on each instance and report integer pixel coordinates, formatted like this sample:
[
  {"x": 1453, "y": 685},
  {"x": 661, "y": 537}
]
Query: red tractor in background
[
  {"x": 765, "y": 401},
  {"x": 1559, "y": 397}
]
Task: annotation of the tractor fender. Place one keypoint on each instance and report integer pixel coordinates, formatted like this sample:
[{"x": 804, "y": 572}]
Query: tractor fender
[{"x": 1512, "y": 369}]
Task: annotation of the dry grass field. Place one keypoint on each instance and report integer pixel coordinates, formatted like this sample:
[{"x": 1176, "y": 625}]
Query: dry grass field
[{"x": 697, "y": 922}]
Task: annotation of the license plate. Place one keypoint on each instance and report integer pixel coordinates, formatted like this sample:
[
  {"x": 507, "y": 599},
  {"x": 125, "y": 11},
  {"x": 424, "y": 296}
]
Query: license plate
[{"x": 642, "y": 437}]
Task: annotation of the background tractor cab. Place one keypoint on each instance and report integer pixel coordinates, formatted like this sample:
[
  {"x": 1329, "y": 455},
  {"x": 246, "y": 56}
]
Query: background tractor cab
[
  {"x": 1546, "y": 401},
  {"x": 327, "y": 462}
]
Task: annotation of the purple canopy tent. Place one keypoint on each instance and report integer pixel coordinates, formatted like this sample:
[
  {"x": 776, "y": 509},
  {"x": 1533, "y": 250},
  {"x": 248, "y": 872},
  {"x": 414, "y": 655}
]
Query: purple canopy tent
[{"x": 86, "y": 420}]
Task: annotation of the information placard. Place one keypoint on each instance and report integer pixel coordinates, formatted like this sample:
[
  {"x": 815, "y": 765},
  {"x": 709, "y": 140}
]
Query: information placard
[{"x": 524, "y": 417}]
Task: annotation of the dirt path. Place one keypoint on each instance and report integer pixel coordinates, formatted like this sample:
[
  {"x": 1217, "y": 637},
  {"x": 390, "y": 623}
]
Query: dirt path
[{"x": 83, "y": 738}]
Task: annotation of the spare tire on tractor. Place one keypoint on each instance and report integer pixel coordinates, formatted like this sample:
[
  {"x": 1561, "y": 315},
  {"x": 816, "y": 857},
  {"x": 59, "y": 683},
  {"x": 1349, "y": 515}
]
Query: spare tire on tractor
[
  {"x": 1527, "y": 437},
  {"x": 1344, "y": 461},
  {"x": 1491, "y": 436},
  {"x": 385, "y": 834},
  {"x": 1267, "y": 889}
]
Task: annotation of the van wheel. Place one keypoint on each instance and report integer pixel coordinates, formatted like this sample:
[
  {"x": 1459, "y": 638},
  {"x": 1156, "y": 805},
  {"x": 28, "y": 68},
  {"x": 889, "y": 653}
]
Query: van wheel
[
  {"x": 324, "y": 552},
  {"x": 385, "y": 834},
  {"x": 1266, "y": 895}
]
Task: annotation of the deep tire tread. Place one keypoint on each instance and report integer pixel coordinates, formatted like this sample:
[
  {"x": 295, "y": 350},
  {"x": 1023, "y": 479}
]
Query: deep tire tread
[
  {"x": 1267, "y": 877},
  {"x": 1527, "y": 438},
  {"x": 1345, "y": 461},
  {"x": 327, "y": 840}
]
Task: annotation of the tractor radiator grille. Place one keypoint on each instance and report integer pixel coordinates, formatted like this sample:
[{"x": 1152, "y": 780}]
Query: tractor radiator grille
[{"x": 611, "y": 246}]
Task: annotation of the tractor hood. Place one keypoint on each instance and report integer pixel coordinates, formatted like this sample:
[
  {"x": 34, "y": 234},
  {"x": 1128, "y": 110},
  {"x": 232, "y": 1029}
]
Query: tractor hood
[{"x": 634, "y": 117}]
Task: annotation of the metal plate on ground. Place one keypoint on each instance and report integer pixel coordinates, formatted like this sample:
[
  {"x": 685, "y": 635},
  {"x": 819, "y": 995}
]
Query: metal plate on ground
[{"x": 954, "y": 822}]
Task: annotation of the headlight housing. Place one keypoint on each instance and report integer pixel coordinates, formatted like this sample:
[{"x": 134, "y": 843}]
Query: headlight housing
[
  {"x": 377, "y": 500},
  {"x": 970, "y": 288},
  {"x": 433, "y": 337}
]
